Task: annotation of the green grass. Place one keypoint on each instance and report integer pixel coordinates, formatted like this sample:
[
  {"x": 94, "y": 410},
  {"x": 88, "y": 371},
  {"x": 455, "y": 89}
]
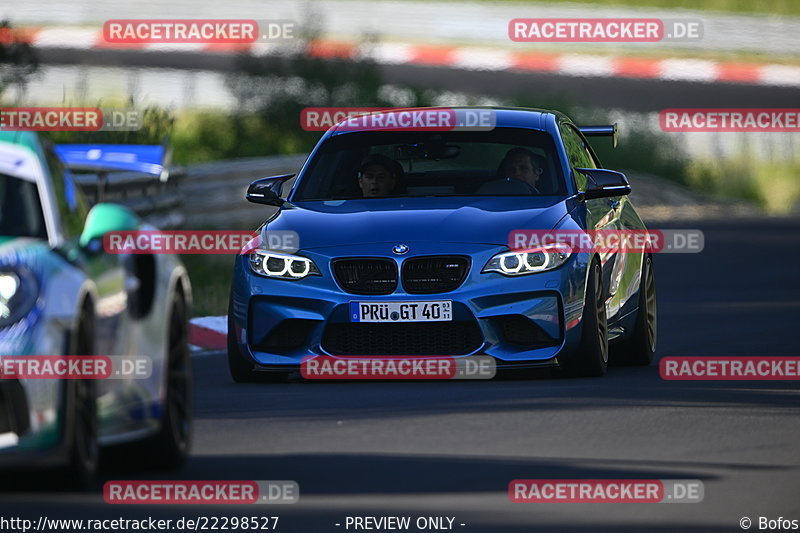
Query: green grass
[
  {"x": 211, "y": 282},
  {"x": 773, "y": 185}
]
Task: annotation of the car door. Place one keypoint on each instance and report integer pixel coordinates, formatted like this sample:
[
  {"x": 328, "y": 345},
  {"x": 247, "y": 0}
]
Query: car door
[
  {"x": 602, "y": 214},
  {"x": 112, "y": 320},
  {"x": 106, "y": 271}
]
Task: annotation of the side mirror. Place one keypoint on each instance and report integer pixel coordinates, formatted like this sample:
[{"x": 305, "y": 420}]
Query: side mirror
[
  {"x": 602, "y": 183},
  {"x": 267, "y": 191},
  {"x": 105, "y": 217}
]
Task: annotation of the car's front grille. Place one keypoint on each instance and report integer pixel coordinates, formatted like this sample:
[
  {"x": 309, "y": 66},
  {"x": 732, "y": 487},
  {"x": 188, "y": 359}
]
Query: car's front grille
[
  {"x": 427, "y": 275},
  {"x": 459, "y": 337},
  {"x": 366, "y": 276}
]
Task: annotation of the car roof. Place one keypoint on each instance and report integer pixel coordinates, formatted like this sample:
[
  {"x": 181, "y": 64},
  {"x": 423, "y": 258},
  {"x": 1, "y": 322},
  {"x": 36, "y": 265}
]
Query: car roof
[
  {"x": 505, "y": 117},
  {"x": 28, "y": 139},
  {"x": 21, "y": 155}
]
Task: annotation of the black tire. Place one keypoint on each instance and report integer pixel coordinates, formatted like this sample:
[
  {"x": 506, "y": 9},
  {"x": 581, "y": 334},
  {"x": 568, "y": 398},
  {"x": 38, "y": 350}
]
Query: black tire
[
  {"x": 169, "y": 448},
  {"x": 172, "y": 444},
  {"x": 82, "y": 448},
  {"x": 79, "y": 414},
  {"x": 591, "y": 357},
  {"x": 640, "y": 348}
]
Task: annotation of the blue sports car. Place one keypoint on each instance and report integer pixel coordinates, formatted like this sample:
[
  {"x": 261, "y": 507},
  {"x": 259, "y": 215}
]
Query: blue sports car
[{"x": 404, "y": 251}]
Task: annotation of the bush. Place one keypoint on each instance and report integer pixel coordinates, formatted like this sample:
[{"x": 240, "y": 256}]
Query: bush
[
  {"x": 157, "y": 126},
  {"x": 773, "y": 185}
]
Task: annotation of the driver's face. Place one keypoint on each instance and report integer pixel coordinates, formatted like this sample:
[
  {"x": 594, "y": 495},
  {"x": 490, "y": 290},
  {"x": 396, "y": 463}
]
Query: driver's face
[
  {"x": 376, "y": 181},
  {"x": 522, "y": 168}
]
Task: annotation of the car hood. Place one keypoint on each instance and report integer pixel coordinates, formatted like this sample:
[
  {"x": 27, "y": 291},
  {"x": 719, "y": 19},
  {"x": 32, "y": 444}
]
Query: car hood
[
  {"x": 401, "y": 220},
  {"x": 21, "y": 247},
  {"x": 31, "y": 253}
]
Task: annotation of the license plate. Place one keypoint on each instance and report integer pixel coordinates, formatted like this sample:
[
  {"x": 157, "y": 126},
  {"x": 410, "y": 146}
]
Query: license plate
[{"x": 438, "y": 311}]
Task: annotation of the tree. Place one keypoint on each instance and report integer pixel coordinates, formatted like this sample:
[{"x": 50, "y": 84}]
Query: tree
[{"x": 18, "y": 59}]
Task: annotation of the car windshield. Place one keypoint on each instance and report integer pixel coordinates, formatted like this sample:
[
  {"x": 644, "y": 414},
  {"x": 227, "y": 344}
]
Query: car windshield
[
  {"x": 20, "y": 209},
  {"x": 501, "y": 162}
]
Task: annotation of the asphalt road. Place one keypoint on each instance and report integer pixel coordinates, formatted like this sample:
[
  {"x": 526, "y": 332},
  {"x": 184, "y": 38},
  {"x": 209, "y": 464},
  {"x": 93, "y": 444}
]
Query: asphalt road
[
  {"x": 451, "y": 448},
  {"x": 630, "y": 94}
]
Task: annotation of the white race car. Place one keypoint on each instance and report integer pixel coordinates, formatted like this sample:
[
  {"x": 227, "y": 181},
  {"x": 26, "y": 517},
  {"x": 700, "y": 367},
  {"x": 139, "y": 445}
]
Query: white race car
[{"x": 62, "y": 294}]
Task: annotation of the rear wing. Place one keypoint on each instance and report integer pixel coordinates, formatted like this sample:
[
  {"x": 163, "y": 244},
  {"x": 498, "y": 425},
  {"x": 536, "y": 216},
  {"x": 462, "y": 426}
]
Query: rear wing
[
  {"x": 147, "y": 159},
  {"x": 601, "y": 131},
  {"x": 103, "y": 159}
]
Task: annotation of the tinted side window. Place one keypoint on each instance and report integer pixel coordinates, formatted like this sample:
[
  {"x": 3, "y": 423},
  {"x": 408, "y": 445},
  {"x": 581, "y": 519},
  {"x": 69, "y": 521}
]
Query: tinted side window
[
  {"x": 578, "y": 153},
  {"x": 20, "y": 209},
  {"x": 69, "y": 198}
]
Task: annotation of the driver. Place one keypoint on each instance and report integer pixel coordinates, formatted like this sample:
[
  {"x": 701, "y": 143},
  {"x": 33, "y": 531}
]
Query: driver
[
  {"x": 517, "y": 174},
  {"x": 521, "y": 164},
  {"x": 377, "y": 176}
]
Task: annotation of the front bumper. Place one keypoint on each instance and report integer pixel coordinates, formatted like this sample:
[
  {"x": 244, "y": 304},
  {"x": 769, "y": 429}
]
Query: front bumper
[
  {"x": 25, "y": 442},
  {"x": 30, "y": 408},
  {"x": 524, "y": 321}
]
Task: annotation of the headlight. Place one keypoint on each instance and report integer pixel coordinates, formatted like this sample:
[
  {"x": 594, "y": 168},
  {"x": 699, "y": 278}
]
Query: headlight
[
  {"x": 523, "y": 262},
  {"x": 281, "y": 266},
  {"x": 18, "y": 293}
]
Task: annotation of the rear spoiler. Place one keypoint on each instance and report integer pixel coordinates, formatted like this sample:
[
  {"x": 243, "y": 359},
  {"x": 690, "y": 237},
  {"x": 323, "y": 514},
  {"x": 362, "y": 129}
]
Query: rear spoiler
[
  {"x": 147, "y": 159},
  {"x": 103, "y": 159},
  {"x": 601, "y": 131}
]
